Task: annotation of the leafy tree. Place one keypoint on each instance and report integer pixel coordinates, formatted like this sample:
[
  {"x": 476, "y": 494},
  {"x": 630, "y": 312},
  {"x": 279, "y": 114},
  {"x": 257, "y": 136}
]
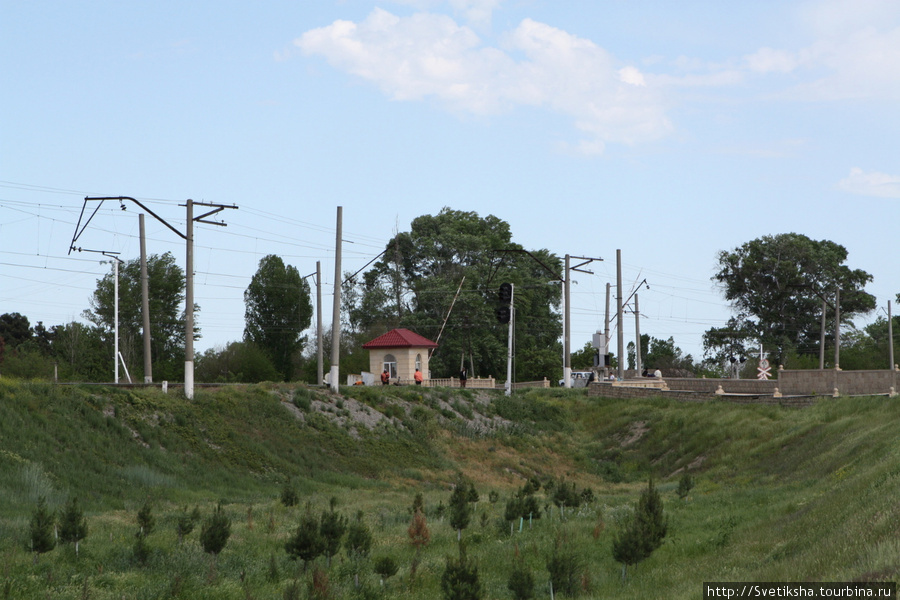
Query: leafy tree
[
  {"x": 238, "y": 362},
  {"x": 776, "y": 285},
  {"x": 72, "y": 524},
  {"x": 166, "y": 294},
  {"x": 460, "y": 578},
  {"x": 306, "y": 543},
  {"x": 14, "y": 329},
  {"x": 417, "y": 279},
  {"x": 40, "y": 528},
  {"x": 215, "y": 532},
  {"x": 278, "y": 309},
  {"x": 80, "y": 352},
  {"x": 644, "y": 532}
]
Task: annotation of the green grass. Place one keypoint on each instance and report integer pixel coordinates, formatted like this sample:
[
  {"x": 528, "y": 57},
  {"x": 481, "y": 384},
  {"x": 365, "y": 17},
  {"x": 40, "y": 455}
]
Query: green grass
[{"x": 782, "y": 494}]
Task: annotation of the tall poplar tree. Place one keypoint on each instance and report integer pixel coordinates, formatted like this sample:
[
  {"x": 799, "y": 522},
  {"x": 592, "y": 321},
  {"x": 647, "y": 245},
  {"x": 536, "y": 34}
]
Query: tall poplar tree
[{"x": 278, "y": 309}]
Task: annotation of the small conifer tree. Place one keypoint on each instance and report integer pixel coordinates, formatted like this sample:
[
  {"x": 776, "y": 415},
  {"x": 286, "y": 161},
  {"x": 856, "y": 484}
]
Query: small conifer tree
[
  {"x": 460, "y": 578},
  {"x": 215, "y": 532},
  {"x": 186, "y": 522},
  {"x": 306, "y": 543},
  {"x": 332, "y": 527},
  {"x": 685, "y": 485},
  {"x": 145, "y": 520},
  {"x": 41, "y": 529},
  {"x": 72, "y": 524},
  {"x": 521, "y": 582},
  {"x": 385, "y": 567},
  {"x": 644, "y": 532},
  {"x": 460, "y": 511},
  {"x": 357, "y": 543},
  {"x": 289, "y": 496}
]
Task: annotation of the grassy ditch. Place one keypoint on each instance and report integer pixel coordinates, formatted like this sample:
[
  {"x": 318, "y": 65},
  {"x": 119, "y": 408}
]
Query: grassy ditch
[{"x": 781, "y": 494}]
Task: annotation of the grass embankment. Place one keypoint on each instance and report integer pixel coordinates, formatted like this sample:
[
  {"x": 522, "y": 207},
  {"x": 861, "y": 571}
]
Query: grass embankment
[{"x": 781, "y": 495}]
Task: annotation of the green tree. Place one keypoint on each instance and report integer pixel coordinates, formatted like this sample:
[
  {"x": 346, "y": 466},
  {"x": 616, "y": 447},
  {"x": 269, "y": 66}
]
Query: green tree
[
  {"x": 521, "y": 582},
  {"x": 306, "y": 543},
  {"x": 40, "y": 528},
  {"x": 167, "y": 324},
  {"x": 186, "y": 522},
  {"x": 80, "y": 352},
  {"x": 385, "y": 567},
  {"x": 72, "y": 524},
  {"x": 238, "y": 362},
  {"x": 644, "y": 532},
  {"x": 14, "y": 329},
  {"x": 776, "y": 285},
  {"x": 215, "y": 532},
  {"x": 357, "y": 543},
  {"x": 459, "y": 580},
  {"x": 420, "y": 273},
  {"x": 332, "y": 527},
  {"x": 278, "y": 309},
  {"x": 460, "y": 511}
]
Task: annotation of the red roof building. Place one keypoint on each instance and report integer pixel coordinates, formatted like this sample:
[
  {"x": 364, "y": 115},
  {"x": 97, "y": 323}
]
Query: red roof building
[{"x": 400, "y": 352}]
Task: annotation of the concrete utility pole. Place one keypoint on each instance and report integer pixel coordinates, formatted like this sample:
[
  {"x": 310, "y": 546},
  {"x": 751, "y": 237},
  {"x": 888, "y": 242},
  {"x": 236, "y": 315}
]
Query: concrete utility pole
[
  {"x": 336, "y": 312},
  {"x": 145, "y": 303},
  {"x": 837, "y": 329},
  {"x": 890, "y": 338},
  {"x": 509, "y": 342},
  {"x": 637, "y": 332},
  {"x": 320, "y": 377},
  {"x": 620, "y": 334},
  {"x": 567, "y": 351},
  {"x": 822, "y": 338},
  {"x": 115, "y": 263},
  {"x": 606, "y": 331},
  {"x": 567, "y": 327}
]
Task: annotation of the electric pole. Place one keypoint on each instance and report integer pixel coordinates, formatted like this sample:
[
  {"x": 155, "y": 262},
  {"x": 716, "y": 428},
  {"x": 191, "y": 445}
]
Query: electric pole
[
  {"x": 620, "y": 334},
  {"x": 336, "y": 311},
  {"x": 145, "y": 303}
]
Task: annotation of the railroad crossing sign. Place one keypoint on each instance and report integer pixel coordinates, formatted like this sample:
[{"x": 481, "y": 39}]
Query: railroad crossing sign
[{"x": 765, "y": 370}]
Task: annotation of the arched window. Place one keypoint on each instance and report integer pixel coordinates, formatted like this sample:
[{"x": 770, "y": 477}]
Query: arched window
[
  {"x": 390, "y": 363},
  {"x": 419, "y": 362}
]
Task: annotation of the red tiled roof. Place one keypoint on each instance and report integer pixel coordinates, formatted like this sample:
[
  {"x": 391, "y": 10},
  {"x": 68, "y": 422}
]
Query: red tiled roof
[{"x": 400, "y": 338}]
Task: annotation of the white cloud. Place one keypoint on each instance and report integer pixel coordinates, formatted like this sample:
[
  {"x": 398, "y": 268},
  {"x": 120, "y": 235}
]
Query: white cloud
[
  {"x": 856, "y": 53},
  {"x": 874, "y": 183},
  {"x": 431, "y": 56}
]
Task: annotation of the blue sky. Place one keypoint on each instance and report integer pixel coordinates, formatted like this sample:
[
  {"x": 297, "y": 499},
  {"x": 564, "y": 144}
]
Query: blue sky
[{"x": 669, "y": 130}]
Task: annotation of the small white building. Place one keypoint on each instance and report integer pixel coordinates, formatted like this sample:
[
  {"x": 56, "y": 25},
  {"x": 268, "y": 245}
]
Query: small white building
[{"x": 401, "y": 352}]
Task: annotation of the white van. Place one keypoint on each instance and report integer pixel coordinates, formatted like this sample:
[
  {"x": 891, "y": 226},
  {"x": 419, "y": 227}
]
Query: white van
[{"x": 579, "y": 379}]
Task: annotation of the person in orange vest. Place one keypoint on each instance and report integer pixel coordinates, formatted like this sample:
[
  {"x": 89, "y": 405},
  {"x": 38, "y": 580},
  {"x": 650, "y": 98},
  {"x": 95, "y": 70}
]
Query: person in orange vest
[
  {"x": 385, "y": 377},
  {"x": 418, "y": 377}
]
